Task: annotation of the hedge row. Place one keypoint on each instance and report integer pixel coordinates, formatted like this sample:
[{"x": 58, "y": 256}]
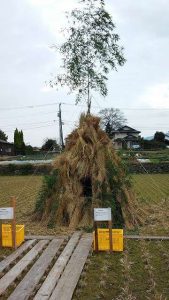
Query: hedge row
[
  {"x": 26, "y": 169},
  {"x": 43, "y": 169},
  {"x": 152, "y": 168}
]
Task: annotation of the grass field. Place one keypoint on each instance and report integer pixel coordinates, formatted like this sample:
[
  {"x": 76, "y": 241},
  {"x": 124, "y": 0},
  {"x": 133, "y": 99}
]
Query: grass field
[
  {"x": 25, "y": 189},
  {"x": 140, "y": 272},
  {"x": 152, "y": 192}
]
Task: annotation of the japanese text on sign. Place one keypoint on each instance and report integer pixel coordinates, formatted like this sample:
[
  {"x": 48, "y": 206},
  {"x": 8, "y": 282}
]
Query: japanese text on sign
[
  {"x": 102, "y": 214},
  {"x": 6, "y": 213}
]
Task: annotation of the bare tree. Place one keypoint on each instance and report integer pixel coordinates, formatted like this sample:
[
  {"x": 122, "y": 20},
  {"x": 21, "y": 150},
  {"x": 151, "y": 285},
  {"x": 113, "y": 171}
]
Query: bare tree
[{"x": 112, "y": 119}]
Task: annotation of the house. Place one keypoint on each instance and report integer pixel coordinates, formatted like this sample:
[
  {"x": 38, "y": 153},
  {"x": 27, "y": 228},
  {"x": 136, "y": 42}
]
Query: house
[
  {"x": 167, "y": 138},
  {"x": 36, "y": 149},
  {"x": 6, "y": 148},
  {"x": 125, "y": 138}
]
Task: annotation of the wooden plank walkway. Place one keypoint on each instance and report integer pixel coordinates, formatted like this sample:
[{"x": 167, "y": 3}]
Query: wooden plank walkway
[
  {"x": 61, "y": 274},
  {"x": 49, "y": 284},
  {"x": 146, "y": 237},
  {"x": 69, "y": 279},
  {"x": 11, "y": 276},
  {"x": 12, "y": 257},
  {"x": 128, "y": 236},
  {"x": 45, "y": 237},
  {"x": 32, "y": 278}
]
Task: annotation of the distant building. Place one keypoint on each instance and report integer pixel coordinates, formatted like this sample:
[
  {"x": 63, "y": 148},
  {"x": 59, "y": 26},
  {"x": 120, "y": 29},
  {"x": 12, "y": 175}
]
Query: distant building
[
  {"x": 36, "y": 149},
  {"x": 167, "y": 138},
  {"x": 125, "y": 138},
  {"x": 6, "y": 148}
]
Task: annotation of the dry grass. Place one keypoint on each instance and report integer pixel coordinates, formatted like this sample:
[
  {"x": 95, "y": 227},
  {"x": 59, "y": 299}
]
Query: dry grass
[
  {"x": 139, "y": 273},
  {"x": 90, "y": 173},
  {"x": 153, "y": 196},
  {"x": 25, "y": 189}
]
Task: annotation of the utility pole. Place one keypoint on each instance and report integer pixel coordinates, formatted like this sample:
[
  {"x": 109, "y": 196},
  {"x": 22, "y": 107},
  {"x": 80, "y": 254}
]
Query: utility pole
[{"x": 60, "y": 128}]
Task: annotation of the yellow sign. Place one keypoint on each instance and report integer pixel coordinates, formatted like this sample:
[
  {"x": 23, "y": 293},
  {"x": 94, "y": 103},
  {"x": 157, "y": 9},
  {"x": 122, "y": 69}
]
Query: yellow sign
[
  {"x": 103, "y": 239},
  {"x": 7, "y": 235}
]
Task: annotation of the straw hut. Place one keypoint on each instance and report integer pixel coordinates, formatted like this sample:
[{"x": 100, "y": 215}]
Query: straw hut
[{"x": 88, "y": 174}]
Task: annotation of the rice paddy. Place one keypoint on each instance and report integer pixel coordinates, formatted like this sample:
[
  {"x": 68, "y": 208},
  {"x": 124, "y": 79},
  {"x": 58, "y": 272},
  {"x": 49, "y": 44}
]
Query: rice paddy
[
  {"x": 152, "y": 192},
  {"x": 25, "y": 189},
  {"x": 140, "y": 272}
]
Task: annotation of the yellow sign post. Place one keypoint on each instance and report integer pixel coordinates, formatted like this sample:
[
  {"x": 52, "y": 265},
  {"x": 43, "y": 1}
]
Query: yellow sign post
[
  {"x": 104, "y": 239},
  {"x": 102, "y": 215}
]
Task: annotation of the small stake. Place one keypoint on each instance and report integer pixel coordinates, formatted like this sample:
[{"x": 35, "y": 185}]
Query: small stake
[
  {"x": 110, "y": 235},
  {"x": 13, "y": 222},
  {"x": 0, "y": 233},
  {"x": 96, "y": 237}
]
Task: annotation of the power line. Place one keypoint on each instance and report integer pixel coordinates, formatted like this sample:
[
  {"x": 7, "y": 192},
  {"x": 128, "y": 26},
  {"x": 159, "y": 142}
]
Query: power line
[
  {"x": 22, "y": 124},
  {"x": 121, "y": 108},
  {"x": 35, "y": 114},
  {"x": 44, "y": 122},
  {"x": 64, "y": 122},
  {"x": 32, "y": 128},
  {"x": 80, "y": 105},
  {"x": 37, "y": 127},
  {"x": 29, "y": 106}
]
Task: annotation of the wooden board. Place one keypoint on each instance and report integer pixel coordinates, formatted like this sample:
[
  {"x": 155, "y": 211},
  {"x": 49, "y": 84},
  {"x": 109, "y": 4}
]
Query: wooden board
[
  {"x": 69, "y": 279},
  {"x": 45, "y": 237},
  {"x": 11, "y": 276},
  {"x": 25, "y": 288},
  {"x": 49, "y": 284},
  {"x": 147, "y": 237},
  {"x": 11, "y": 258}
]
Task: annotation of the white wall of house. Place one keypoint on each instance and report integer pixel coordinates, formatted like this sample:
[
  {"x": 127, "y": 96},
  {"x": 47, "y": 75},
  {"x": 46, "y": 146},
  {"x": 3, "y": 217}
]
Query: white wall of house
[
  {"x": 119, "y": 136},
  {"x": 117, "y": 145}
]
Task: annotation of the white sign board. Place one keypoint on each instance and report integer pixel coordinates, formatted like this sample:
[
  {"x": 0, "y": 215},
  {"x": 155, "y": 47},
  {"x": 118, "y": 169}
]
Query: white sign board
[
  {"x": 102, "y": 214},
  {"x": 6, "y": 213}
]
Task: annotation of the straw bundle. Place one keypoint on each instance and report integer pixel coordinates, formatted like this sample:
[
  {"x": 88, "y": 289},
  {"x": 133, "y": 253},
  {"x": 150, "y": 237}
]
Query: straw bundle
[{"x": 89, "y": 173}]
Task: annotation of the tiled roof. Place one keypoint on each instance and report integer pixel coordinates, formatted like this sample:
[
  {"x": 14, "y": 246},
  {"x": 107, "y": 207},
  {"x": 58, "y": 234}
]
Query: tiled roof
[
  {"x": 5, "y": 142},
  {"x": 125, "y": 129}
]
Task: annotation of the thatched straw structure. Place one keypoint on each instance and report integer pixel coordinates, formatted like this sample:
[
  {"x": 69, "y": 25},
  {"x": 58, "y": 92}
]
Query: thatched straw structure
[{"x": 88, "y": 174}]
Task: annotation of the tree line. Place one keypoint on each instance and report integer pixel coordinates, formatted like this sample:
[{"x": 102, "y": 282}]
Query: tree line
[
  {"x": 20, "y": 148},
  {"x": 111, "y": 119}
]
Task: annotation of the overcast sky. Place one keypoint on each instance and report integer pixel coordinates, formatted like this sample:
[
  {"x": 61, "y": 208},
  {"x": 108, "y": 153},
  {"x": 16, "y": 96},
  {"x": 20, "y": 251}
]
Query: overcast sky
[{"x": 141, "y": 88}]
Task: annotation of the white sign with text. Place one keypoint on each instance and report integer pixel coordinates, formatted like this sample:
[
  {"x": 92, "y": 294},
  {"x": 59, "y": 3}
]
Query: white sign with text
[
  {"x": 6, "y": 213},
  {"x": 102, "y": 214}
]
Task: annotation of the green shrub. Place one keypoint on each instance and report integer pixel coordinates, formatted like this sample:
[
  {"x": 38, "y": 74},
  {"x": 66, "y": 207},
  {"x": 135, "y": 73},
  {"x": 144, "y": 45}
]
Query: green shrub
[{"x": 46, "y": 191}]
